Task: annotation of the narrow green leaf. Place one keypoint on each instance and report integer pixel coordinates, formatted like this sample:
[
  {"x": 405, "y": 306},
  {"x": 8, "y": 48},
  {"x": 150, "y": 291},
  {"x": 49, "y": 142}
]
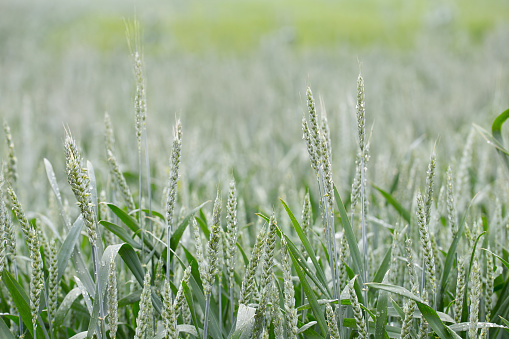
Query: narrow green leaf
[
  {"x": 305, "y": 327},
  {"x": 449, "y": 259},
  {"x": 177, "y": 234},
  {"x": 465, "y": 313},
  {"x": 81, "y": 335},
  {"x": 405, "y": 214},
  {"x": 392, "y": 331},
  {"x": 308, "y": 290},
  {"x": 190, "y": 303},
  {"x": 382, "y": 270},
  {"x": 85, "y": 294},
  {"x": 303, "y": 264},
  {"x": 4, "y": 330},
  {"x": 381, "y": 312},
  {"x": 93, "y": 185},
  {"x": 213, "y": 322},
  {"x": 506, "y": 264},
  {"x": 496, "y": 127},
  {"x": 203, "y": 226},
  {"x": 94, "y": 321},
  {"x": 506, "y": 322},
  {"x": 307, "y": 245},
  {"x": 244, "y": 256},
  {"x": 195, "y": 272},
  {"x": 130, "y": 299},
  {"x": 398, "y": 309},
  {"x": 133, "y": 262},
  {"x": 427, "y": 312},
  {"x": 154, "y": 213},
  {"x": 65, "y": 306},
  {"x": 121, "y": 233},
  {"x": 68, "y": 246},
  {"x": 501, "y": 308},
  {"x": 491, "y": 140},
  {"x": 54, "y": 186},
  {"x": 126, "y": 218},
  {"x": 358, "y": 267},
  {"x": 465, "y": 326},
  {"x": 22, "y": 303}
]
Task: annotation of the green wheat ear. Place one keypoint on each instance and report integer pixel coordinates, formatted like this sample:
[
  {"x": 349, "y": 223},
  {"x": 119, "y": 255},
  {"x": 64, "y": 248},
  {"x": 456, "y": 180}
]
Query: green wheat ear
[
  {"x": 54, "y": 287},
  {"x": 144, "y": 318},
  {"x": 37, "y": 278},
  {"x": 289, "y": 293},
  {"x": 248, "y": 283},
  {"x": 112, "y": 298},
  {"x": 332, "y": 323},
  {"x": 11, "y": 170},
  {"x": 357, "y": 311},
  {"x": 169, "y": 314}
]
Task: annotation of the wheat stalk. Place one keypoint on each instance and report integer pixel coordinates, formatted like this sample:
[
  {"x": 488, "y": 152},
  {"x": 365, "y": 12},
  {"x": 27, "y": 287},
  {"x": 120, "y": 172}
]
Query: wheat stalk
[
  {"x": 145, "y": 313},
  {"x": 80, "y": 185},
  {"x": 248, "y": 283},
  {"x": 112, "y": 298},
  {"x": 289, "y": 292},
  {"x": 171, "y": 196},
  {"x": 331, "y": 322},
  {"x": 231, "y": 240},
  {"x": 11, "y": 170}
]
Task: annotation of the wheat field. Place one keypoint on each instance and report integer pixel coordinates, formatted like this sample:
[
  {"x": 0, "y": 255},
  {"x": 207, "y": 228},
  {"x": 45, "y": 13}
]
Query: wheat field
[{"x": 307, "y": 183}]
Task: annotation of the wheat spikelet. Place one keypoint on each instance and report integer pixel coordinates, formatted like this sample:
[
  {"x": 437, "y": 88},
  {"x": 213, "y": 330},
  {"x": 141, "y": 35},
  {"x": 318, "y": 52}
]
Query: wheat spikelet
[
  {"x": 53, "y": 287},
  {"x": 80, "y": 184},
  {"x": 144, "y": 315},
  {"x": 169, "y": 315},
  {"x": 410, "y": 305},
  {"x": 426, "y": 242},
  {"x": 231, "y": 233},
  {"x": 331, "y": 322},
  {"x": 277, "y": 315},
  {"x": 248, "y": 283},
  {"x": 37, "y": 279},
  {"x": 451, "y": 204},
  {"x": 357, "y": 311},
  {"x": 120, "y": 181},
  {"x": 475, "y": 295},
  {"x": 11, "y": 170},
  {"x": 289, "y": 292},
  {"x": 20, "y": 215},
  {"x": 180, "y": 304},
  {"x": 112, "y": 298}
]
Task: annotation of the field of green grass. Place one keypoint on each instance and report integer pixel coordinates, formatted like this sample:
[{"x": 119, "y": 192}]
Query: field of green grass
[{"x": 247, "y": 169}]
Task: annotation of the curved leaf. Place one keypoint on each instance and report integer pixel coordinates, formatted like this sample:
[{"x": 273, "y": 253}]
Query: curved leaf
[
  {"x": 308, "y": 290},
  {"x": 65, "y": 306},
  {"x": 4, "y": 330},
  {"x": 121, "y": 233},
  {"x": 358, "y": 267},
  {"x": 68, "y": 246},
  {"x": 381, "y": 312},
  {"x": 190, "y": 303},
  {"x": 81, "y": 335},
  {"x": 405, "y": 214},
  {"x": 464, "y": 315},
  {"x": 307, "y": 245},
  {"x": 427, "y": 312},
  {"x": 22, "y": 304},
  {"x": 449, "y": 259},
  {"x": 496, "y": 127},
  {"x": 177, "y": 234}
]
